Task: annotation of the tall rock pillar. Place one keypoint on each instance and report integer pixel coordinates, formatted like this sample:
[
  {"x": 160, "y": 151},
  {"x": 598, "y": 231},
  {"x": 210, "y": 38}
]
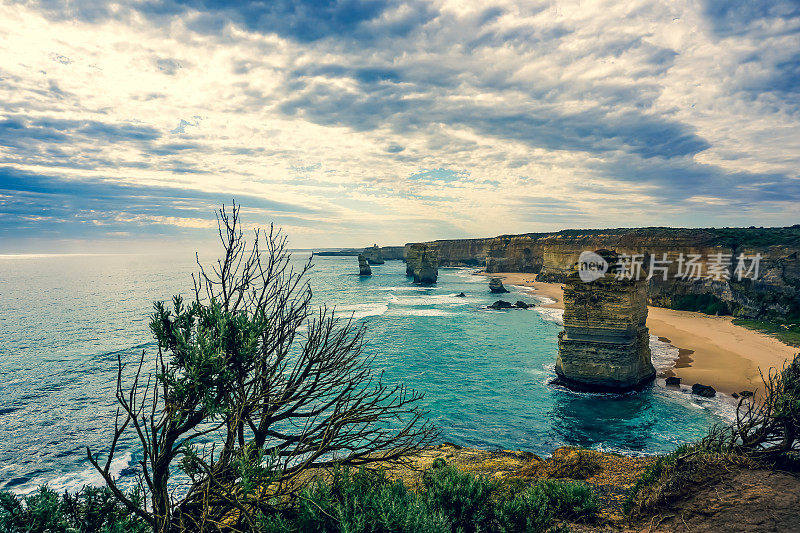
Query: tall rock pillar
[
  {"x": 363, "y": 266},
  {"x": 605, "y": 345},
  {"x": 422, "y": 262}
]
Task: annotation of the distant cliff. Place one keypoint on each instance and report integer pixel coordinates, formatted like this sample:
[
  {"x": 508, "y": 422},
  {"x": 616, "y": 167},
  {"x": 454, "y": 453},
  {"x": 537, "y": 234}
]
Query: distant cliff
[
  {"x": 776, "y": 291},
  {"x": 385, "y": 252}
]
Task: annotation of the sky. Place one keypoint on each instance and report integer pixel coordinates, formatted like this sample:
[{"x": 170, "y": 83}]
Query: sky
[{"x": 125, "y": 125}]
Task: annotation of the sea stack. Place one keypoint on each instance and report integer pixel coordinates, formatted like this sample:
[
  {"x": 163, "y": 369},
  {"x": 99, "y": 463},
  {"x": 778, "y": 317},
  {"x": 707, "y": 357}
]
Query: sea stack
[
  {"x": 422, "y": 262},
  {"x": 605, "y": 345},
  {"x": 363, "y": 266}
]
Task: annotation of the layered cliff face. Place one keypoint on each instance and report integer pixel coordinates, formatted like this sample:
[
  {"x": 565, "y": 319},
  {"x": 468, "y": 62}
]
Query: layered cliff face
[
  {"x": 605, "y": 343},
  {"x": 774, "y": 291},
  {"x": 422, "y": 263},
  {"x": 373, "y": 255},
  {"x": 391, "y": 253},
  {"x": 458, "y": 252}
]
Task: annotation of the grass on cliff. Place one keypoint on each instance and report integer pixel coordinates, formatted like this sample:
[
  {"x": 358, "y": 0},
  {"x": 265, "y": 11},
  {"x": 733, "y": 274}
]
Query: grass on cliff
[
  {"x": 448, "y": 501},
  {"x": 702, "y": 303},
  {"x": 786, "y": 331},
  {"x": 362, "y": 501}
]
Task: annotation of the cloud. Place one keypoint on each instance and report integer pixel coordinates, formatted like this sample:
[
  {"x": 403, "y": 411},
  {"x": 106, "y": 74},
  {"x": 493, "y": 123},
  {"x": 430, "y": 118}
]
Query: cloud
[
  {"x": 74, "y": 207},
  {"x": 739, "y": 17},
  {"x": 363, "y": 111},
  {"x": 168, "y": 66}
]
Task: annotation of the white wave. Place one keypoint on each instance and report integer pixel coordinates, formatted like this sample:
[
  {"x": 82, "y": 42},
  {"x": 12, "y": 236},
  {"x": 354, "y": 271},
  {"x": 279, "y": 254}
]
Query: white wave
[
  {"x": 431, "y": 299},
  {"x": 359, "y": 311},
  {"x": 551, "y": 314},
  {"x": 425, "y": 312},
  {"x": 722, "y": 405},
  {"x": 663, "y": 354},
  {"x": 404, "y": 288},
  {"x": 470, "y": 275},
  {"x": 521, "y": 288},
  {"x": 74, "y": 481}
]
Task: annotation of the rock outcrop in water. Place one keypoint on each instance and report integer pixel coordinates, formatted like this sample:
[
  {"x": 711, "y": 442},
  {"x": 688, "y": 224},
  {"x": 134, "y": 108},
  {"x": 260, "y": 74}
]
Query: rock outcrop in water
[
  {"x": 363, "y": 266},
  {"x": 496, "y": 286},
  {"x": 422, "y": 263},
  {"x": 605, "y": 344},
  {"x": 775, "y": 292}
]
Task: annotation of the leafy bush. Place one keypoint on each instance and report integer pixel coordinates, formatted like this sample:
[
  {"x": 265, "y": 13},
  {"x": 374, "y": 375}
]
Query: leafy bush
[
  {"x": 464, "y": 498},
  {"x": 346, "y": 501},
  {"x": 365, "y": 501},
  {"x": 526, "y": 511},
  {"x": 91, "y": 510},
  {"x": 250, "y": 387},
  {"x": 568, "y": 500},
  {"x": 449, "y": 501},
  {"x": 703, "y": 303}
]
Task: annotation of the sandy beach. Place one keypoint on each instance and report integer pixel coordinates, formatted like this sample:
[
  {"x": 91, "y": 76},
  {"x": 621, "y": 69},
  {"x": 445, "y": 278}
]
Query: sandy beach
[{"x": 712, "y": 349}]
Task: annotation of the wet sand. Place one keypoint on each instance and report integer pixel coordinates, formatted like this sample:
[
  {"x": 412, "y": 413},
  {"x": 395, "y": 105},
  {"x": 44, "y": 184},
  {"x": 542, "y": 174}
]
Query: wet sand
[{"x": 712, "y": 350}]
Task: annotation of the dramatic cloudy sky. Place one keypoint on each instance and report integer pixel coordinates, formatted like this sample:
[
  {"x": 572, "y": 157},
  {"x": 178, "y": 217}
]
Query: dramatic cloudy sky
[{"x": 357, "y": 121}]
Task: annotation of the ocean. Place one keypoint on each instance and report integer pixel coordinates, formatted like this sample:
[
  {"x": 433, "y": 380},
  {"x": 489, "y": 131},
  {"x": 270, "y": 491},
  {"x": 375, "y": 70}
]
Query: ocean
[{"x": 485, "y": 374}]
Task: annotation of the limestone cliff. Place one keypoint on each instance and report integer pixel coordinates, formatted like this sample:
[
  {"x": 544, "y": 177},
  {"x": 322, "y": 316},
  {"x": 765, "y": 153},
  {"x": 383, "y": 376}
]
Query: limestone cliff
[
  {"x": 422, "y": 263},
  {"x": 373, "y": 255},
  {"x": 776, "y": 291},
  {"x": 460, "y": 252},
  {"x": 390, "y": 253}
]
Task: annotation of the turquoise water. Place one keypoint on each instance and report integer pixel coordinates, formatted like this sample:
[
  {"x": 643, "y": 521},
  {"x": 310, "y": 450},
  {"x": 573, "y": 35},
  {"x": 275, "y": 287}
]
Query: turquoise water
[{"x": 485, "y": 374}]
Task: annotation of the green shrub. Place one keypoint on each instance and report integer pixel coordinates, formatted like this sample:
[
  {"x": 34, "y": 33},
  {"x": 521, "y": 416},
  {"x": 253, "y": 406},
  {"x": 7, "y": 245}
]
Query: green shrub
[
  {"x": 703, "y": 303},
  {"x": 449, "y": 501},
  {"x": 465, "y": 499},
  {"x": 91, "y": 510},
  {"x": 526, "y": 511},
  {"x": 568, "y": 500},
  {"x": 361, "y": 502}
]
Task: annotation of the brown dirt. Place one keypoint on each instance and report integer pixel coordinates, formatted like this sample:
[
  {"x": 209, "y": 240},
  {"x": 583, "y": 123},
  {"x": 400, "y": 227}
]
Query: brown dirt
[{"x": 744, "y": 500}]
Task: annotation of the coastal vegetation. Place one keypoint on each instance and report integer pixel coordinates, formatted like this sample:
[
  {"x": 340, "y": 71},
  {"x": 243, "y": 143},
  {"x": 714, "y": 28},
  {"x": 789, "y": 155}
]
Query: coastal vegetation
[
  {"x": 357, "y": 501},
  {"x": 787, "y": 331},
  {"x": 703, "y": 303}
]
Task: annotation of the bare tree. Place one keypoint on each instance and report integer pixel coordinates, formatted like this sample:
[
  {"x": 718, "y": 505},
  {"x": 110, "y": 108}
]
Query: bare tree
[
  {"x": 768, "y": 424},
  {"x": 251, "y": 388}
]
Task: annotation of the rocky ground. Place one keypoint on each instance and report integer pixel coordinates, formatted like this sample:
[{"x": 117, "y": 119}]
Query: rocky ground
[{"x": 741, "y": 500}]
